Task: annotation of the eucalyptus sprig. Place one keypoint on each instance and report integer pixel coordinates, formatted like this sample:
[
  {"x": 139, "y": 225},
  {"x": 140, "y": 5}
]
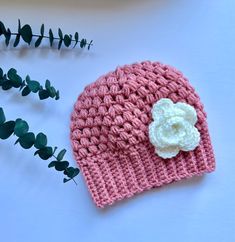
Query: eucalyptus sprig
[
  {"x": 25, "y": 32},
  {"x": 26, "y": 86},
  {"x": 26, "y": 139}
]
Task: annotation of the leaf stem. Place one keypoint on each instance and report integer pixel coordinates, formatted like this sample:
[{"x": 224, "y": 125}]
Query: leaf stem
[{"x": 56, "y": 38}]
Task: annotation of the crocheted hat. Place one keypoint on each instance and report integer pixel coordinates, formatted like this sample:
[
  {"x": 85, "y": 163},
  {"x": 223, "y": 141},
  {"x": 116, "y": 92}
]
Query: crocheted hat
[{"x": 139, "y": 127}]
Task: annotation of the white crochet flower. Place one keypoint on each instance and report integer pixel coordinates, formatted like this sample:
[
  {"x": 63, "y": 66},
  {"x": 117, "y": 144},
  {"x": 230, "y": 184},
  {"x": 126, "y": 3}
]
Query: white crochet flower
[{"x": 173, "y": 128}]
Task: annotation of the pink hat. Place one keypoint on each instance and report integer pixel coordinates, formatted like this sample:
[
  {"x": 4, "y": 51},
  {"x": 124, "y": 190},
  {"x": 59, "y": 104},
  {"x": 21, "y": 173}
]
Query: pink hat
[{"x": 139, "y": 127}]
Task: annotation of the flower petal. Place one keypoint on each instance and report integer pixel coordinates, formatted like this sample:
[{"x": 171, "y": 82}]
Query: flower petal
[
  {"x": 191, "y": 139},
  {"x": 167, "y": 152},
  {"x": 160, "y": 108},
  {"x": 189, "y": 112},
  {"x": 170, "y": 132}
]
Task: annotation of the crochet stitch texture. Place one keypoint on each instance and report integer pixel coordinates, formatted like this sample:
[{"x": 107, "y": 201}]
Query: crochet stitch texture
[{"x": 109, "y": 132}]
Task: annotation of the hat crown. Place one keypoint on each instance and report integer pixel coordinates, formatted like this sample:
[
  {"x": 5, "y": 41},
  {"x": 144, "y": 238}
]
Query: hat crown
[{"x": 114, "y": 112}]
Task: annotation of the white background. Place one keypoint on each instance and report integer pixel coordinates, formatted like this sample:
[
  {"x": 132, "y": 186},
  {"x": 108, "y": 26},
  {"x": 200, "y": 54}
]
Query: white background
[{"x": 197, "y": 37}]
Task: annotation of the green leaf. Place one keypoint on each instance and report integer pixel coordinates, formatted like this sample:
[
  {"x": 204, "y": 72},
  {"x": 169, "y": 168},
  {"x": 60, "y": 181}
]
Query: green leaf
[
  {"x": 83, "y": 43},
  {"x": 26, "y": 33},
  {"x": 89, "y": 45},
  {"x": 66, "y": 180},
  {"x": 60, "y": 43},
  {"x": 19, "y": 26},
  {"x": 17, "y": 40},
  {"x": 2, "y": 116},
  {"x": 6, "y": 85},
  {"x": 7, "y": 129},
  {"x": 42, "y": 30},
  {"x": 2, "y": 28},
  {"x": 61, "y": 154},
  {"x": 11, "y": 73},
  {"x": 51, "y": 37},
  {"x": 38, "y": 41},
  {"x": 52, "y": 164},
  {"x": 27, "y": 140},
  {"x": 44, "y": 153},
  {"x": 27, "y": 79},
  {"x": 25, "y": 91},
  {"x": 60, "y": 33},
  {"x": 1, "y": 72},
  {"x": 21, "y": 127},
  {"x": 47, "y": 84},
  {"x": 61, "y": 166},
  {"x": 54, "y": 150},
  {"x": 76, "y": 36},
  {"x": 8, "y": 37},
  {"x": 41, "y": 141},
  {"x": 52, "y": 92},
  {"x": 71, "y": 172},
  {"x": 57, "y": 96},
  {"x": 67, "y": 40},
  {"x": 34, "y": 86},
  {"x": 43, "y": 94},
  {"x": 16, "y": 80}
]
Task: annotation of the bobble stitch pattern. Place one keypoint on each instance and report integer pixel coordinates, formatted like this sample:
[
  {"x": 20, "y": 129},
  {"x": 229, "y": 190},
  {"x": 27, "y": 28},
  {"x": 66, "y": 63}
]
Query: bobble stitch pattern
[{"x": 109, "y": 132}]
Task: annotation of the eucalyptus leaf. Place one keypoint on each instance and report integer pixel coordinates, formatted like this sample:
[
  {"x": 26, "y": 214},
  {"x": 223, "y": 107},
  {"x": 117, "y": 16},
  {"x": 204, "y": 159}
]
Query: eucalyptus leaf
[
  {"x": 12, "y": 79},
  {"x": 16, "y": 80},
  {"x": 7, "y": 129},
  {"x": 2, "y": 28},
  {"x": 52, "y": 164},
  {"x": 19, "y": 26},
  {"x": 1, "y": 72},
  {"x": 27, "y": 140},
  {"x": 42, "y": 30},
  {"x": 83, "y": 43},
  {"x": 27, "y": 79},
  {"x": 8, "y": 37},
  {"x": 61, "y": 154},
  {"x": 57, "y": 96},
  {"x": 34, "y": 86},
  {"x": 61, "y": 166},
  {"x": 52, "y": 92},
  {"x": 51, "y": 37},
  {"x": 17, "y": 40},
  {"x": 71, "y": 172},
  {"x": 47, "y": 84},
  {"x": 2, "y": 116},
  {"x": 26, "y": 33},
  {"x": 26, "y": 91},
  {"x": 89, "y": 45},
  {"x": 60, "y": 33},
  {"x": 60, "y": 43},
  {"x": 38, "y": 41},
  {"x": 11, "y": 73},
  {"x": 43, "y": 94},
  {"x": 67, "y": 40},
  {"x": 41, "y": 141},
  {"x": 76, "y": 36},
  {"x": 21, "y": 127},
  {"x": 66, "y": 180},
  {"x": 44, "y": 153},
  {"x": 6, "y": 85}
]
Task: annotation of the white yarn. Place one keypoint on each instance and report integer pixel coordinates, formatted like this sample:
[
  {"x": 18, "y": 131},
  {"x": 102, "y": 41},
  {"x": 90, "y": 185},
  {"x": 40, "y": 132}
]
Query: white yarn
[{"x": 173, "y": 128}]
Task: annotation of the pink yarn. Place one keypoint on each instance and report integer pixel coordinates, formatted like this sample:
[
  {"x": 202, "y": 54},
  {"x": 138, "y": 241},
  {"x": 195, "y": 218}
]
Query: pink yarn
[{"x": 109, "y": 132}]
